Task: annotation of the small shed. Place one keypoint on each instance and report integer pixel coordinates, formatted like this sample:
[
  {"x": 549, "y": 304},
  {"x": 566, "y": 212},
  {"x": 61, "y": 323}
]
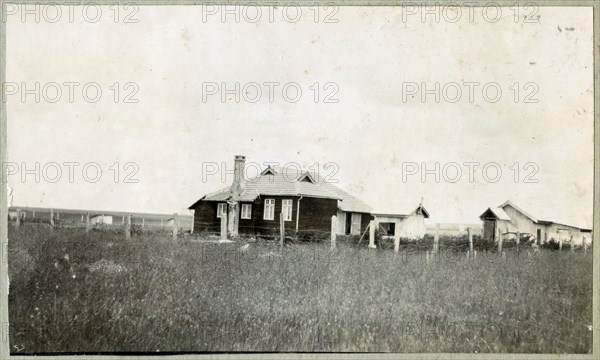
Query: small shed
[
  {"x": 406, "y": 222},
  {"x": 495, "y": 219}
]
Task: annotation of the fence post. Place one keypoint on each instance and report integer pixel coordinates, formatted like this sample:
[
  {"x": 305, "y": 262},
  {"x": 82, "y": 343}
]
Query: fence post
[
  {"x": 128, "y": 228},
  {"x": 18, "y": 223},
  {"x": 281, "y": 230},
  {"x": 175, "y": 226},
  {"x": 560, "y": 242},
  {"x": 500, "y": 241},
  {"x": 372, "y": 234},
  {"x": 87, "y": 222},
  {"x": 470, "y": 236},
  {"x": 223, "y": 227},
  {"x": 333, "y": 232},
  {"x": 572, "y": 244},
  {"x": 436, "y": 238},
  {"x": 143, "y": 221},
  {"x": 584, "y": 245},
  {"x": 51, "y": 217},
  {"x": 397, "y": 241},
  {"x": 518, "y": 239}
]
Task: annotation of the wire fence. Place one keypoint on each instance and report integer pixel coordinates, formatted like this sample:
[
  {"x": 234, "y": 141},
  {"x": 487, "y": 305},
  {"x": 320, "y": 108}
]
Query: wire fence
[
  {"x": 289, "y": 235},
  {"x": 135, "y": 229}
]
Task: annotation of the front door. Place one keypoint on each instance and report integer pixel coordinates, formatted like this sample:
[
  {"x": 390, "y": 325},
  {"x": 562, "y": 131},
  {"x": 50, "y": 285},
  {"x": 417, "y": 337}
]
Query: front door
[
  {"x": 489, "y": 229},
  {"x": 355, "y": 230},
  {"x": 348, "y": 223}
]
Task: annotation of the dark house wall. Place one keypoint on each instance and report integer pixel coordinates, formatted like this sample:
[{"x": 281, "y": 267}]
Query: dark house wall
[
  {"x": 205, "y": 217},
  {"x": 315, "y": 214},
  {"x": 271, "y": 227}
]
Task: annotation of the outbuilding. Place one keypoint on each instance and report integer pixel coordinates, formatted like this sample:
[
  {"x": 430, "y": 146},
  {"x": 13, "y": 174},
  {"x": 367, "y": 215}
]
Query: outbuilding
[
  {"x": 508, "y": 218},
  {"x": 405, "y": 222}
]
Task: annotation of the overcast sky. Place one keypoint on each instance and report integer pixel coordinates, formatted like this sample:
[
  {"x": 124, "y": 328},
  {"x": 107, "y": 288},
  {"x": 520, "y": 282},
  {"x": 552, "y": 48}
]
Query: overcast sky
[{"x": 373, "y": 132}]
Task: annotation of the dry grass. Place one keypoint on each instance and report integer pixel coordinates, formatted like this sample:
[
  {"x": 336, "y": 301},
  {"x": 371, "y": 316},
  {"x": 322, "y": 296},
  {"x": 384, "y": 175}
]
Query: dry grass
[{"x": 198, "y": 297}]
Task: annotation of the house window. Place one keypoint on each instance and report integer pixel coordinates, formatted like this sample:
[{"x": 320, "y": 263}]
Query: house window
[
  {"x": 221, "y": 210},
  {"x": 286, "y": 208},
  {"x": 269, "y": 213},
  {"x": 388, "y": 228},
  {"x": 246, "y": 211}
]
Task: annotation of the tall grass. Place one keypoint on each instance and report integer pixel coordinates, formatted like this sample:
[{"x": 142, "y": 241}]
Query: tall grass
[{"x": 160, "y": 295}]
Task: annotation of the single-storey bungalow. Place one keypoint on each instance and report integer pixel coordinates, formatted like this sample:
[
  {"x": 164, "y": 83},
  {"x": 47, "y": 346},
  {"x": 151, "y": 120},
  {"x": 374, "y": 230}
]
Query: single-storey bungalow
[
  {"x": 510, "y": 218},
  {"x": 305, "y": 200}
]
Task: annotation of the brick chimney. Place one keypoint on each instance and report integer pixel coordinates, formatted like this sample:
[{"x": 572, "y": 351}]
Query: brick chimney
[
  {"x": 238, "y": 185},
  {"x": 236, "y": 189}
]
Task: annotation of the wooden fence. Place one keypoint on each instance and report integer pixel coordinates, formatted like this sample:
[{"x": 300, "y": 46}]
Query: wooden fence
[
  {"x": 435, "y": 248},
  {"x": 471, "y": 251}
]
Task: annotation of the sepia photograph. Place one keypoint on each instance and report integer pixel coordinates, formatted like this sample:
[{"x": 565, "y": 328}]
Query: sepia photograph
[{"x": 380, "y": 179}]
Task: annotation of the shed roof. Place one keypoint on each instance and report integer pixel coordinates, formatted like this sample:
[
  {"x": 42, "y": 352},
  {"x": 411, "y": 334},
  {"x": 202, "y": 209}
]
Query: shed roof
[
  {"x": 404, "y": 210},
  {"x": 495, "y": 212},
  {"x": 526, "y": 213}
]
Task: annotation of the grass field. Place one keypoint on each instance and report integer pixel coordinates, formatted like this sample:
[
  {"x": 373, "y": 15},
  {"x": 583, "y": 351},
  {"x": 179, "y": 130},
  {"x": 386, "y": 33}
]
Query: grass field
[{"x": 152, "y": 294}]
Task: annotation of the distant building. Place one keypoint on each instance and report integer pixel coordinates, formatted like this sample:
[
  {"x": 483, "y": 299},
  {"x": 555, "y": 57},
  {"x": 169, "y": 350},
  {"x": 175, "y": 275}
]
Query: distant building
[
  {"x": 508, "y": 218},
  {"x": 101, "y": 219},
  {"x": 453, "y": 229},
  {"x": 13, "y": 214}
]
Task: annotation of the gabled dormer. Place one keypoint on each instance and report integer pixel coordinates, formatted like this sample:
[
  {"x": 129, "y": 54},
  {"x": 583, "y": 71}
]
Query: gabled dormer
[
  {"x": 306, "y": 177},
  {"x": 268, "y": 171}
]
